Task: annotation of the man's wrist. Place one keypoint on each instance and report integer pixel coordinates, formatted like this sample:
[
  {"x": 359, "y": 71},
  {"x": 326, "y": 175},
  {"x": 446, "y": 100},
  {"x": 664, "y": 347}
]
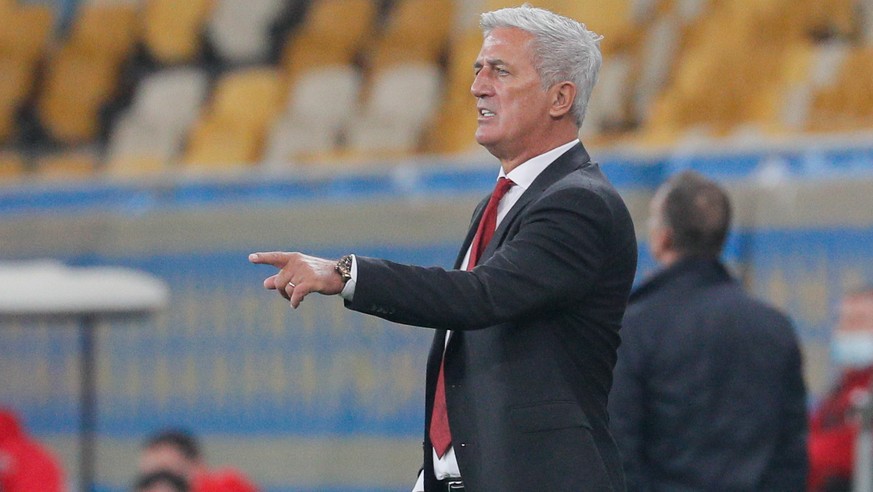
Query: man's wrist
[
  {"x": 344, "y": 268},
  {"x": 348, "y": 292}
]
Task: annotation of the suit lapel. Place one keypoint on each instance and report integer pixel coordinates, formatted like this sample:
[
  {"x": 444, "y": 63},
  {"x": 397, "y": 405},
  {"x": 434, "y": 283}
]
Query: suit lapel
[
  {"x": 471, "y": 231},
  {"x": 575, "y": 158}
]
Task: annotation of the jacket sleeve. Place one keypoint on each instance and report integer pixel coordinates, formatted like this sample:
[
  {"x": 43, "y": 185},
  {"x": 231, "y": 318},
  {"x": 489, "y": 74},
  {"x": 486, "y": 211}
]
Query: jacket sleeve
[
  {"x": 790, "y": 465},
  {"x": 626, "y": 407},
  {"x": 552, "y": 258}
]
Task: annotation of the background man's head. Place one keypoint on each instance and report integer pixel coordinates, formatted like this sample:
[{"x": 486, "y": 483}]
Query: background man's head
[
  {"x": 174, "y": 451},
  {"x": 690, "y": 217},
  {"x": 852, "y": 344}
]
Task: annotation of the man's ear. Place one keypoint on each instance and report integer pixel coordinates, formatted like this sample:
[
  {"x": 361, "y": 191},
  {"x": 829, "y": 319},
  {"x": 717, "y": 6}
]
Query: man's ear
[
  {"x": 563, "y": 94},
  {"x": 660, "y": 242}
]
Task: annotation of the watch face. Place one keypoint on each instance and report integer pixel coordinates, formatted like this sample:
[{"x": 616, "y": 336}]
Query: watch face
[{"x": 344, "y": 267}]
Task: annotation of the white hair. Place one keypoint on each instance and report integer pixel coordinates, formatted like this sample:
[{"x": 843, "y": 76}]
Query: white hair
[{"x": 564, "y": 49}]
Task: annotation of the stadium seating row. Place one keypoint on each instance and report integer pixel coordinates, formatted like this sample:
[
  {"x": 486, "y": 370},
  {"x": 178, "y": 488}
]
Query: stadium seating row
[{"x": 365, "y": 79}]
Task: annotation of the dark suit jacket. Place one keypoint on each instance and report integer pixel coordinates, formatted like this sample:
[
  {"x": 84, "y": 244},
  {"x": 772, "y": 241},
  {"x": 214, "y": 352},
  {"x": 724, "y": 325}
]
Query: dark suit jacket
[
  {"x": 708, "y": 391},
  {"x": 529, "y": 365}
]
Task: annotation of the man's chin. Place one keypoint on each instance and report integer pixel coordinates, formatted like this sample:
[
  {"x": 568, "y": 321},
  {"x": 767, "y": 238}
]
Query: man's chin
[{"x": 485, "y": 140}]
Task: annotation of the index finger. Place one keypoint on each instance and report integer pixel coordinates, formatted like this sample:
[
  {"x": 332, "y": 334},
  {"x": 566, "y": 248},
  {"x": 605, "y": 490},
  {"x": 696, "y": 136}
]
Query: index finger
[{"x": 276, "y": 258}]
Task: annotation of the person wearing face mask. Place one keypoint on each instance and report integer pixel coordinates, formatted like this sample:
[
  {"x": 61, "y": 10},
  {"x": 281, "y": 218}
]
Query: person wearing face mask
[{"x": 833, "y": 426}]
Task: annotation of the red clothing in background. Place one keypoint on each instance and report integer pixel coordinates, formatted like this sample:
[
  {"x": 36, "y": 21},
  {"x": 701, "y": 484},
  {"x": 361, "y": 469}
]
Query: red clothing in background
[
  {"x": 25, "y": 466},
  {"x": 223, "y": 480},
  {"x": 832, "y": 432}
]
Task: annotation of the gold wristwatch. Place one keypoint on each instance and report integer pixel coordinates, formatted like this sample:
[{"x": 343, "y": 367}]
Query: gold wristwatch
[{"x": 344, "y": 268}]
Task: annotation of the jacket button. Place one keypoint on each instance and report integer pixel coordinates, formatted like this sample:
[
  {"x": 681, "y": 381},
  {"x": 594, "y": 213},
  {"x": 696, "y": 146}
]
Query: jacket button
[{"x": 463, "y": 445}]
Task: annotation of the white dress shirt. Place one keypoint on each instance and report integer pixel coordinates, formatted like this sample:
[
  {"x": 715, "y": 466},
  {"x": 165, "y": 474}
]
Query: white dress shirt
[{"x": 523, "y": 176}]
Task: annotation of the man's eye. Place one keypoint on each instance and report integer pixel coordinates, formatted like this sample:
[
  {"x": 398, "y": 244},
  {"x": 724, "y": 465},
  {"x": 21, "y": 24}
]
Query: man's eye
[{"x": 502, "y": 71}]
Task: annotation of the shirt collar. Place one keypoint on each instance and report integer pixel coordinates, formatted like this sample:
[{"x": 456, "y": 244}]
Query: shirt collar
[{"x": 525, "y": 174}]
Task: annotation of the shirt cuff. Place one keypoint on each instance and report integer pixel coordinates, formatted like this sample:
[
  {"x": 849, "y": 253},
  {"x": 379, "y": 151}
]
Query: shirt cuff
[{"x": 348, "y": 292}]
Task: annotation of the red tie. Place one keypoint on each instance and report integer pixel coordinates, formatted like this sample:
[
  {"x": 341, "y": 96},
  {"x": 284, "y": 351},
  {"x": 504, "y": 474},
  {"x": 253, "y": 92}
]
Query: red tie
[{"x": 440, "y": 435}]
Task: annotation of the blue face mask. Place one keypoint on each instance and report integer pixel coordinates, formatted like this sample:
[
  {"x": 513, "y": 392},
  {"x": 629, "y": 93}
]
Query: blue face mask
[{"x": 852, "y": 349}]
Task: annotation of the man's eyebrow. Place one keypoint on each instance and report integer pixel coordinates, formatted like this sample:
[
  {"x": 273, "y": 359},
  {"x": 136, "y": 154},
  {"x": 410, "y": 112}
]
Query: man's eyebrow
[{"x": 491, "y": 61}]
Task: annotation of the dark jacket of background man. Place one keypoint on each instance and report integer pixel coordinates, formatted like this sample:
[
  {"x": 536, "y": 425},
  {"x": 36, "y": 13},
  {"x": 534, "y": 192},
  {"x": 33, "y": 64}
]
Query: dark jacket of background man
[{"x": 708, "y": 392}]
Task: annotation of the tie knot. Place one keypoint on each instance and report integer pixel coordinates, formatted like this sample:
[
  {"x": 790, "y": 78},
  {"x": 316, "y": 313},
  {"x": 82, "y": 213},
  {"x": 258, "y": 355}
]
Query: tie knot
[{"x": 503, "y": 185}]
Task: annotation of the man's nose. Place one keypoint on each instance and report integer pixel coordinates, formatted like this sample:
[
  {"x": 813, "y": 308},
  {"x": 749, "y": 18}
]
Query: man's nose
[{"x": 481, "y": 87}]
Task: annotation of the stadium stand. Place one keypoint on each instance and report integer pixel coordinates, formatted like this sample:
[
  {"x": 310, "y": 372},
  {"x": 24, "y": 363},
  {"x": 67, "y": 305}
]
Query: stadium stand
[
  {"x": 239, "y": 30},
  {"x": 401, "y": 102},
  {"x": 83, "y": 75},
  {"x": 171, "y": 30},
  {"x": 232, "y": 127},
  {"x": 847, "y": 103},
  {"x": 405, "y": 38},
  {"x": 24, "y": 39},
  {"x": 453, "y": 127},
  {"x": 673, "y": 69},
  {"x": 11, "y": 167},
  {"x": 312, "y": 123},
  {"x": 149, "y": 134},
  {"x": 72, "y": 165},
  {"x": 333, "y": 32}
]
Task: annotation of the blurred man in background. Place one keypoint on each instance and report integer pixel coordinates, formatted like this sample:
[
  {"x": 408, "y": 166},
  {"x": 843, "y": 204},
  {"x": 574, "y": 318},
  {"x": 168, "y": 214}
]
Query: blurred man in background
[
  {"x": 708, "y": 391},
  {"x": 527, "y": 322},
  {"x": 834, "y": 423},
  {"x": 178, "y": 452},
  {"x": 25, "y": 465}
]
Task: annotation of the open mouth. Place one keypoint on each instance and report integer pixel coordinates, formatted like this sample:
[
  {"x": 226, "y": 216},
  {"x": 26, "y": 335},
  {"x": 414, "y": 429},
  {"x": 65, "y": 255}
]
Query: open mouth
[{"x": 485, "y": 113}]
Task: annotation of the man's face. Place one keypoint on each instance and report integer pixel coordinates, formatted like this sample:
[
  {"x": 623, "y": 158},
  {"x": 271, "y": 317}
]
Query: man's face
[
  {"x": 856, "y": 313},
  {"x": 166, "y": 457},
  {"x": 160, "y": 487},
  {"x": 513, "y": 107}
]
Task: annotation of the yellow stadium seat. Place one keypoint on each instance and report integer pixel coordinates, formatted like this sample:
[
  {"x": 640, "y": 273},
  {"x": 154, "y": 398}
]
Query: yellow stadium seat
[
  {"x": 222, "y": 146},
  {"x": 332, "y": 33},
  {"x": 171, "y": 30},
  {"x": 12, "y": 168},
  {"x": 490, "y": 5},
  {"x": 135, "y": 166},
  {"x": 244, "y": 104},
  {"x": 454, "y": 130},
  {"x": 824, "y": 18},
  {"x": 719, "y": 85},
  {"x": 16, "y": 79},
  {"x": 252, "y": 97},
  {"x": 76, "y": 87},
  {"x": 65, "y": 166},
  {"x": 463, "y": 50},
  {"x": 848, "y": 103},
  {"x": 416, "y": 31},
  {"x": 455, "y": 124},
  {"x": 104, "y": 30},
  {"x": 26, "y": 31},
  {"x": 613, "y": 19}
]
